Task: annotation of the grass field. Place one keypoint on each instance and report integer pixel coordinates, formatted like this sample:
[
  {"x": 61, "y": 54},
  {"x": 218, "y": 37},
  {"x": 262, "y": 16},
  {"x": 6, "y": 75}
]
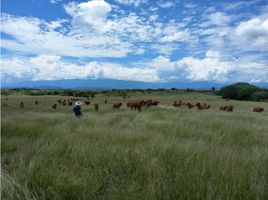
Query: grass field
[{"x": 160, "y": 153}]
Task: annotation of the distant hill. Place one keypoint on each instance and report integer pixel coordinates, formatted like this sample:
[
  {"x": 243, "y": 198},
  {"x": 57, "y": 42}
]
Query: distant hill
[{"x": 115, "y": 84}]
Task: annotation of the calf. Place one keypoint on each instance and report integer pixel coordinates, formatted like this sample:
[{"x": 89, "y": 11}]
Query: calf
[
  {"x": 176, "y": 104},
  {"x": 54, "y": 106},
  {"x": 87, "y": 102},
  {"x": 22, "y": 104},
  {"x": 96, "y": 107},
  {"x": 258, "y": 109},
  {"x": 117, "y": 105}
]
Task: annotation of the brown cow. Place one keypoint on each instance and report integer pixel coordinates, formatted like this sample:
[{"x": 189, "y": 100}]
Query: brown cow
[
  {"x": 87, "y": 102},
  {"x": 96, "y": 107},
  {"x": 136, "y": 104},
  {"x": 230, "y": 108},
  {"x": 70, "y": 103},
  {"x": 151, "y": 102},
  {"x": 59, "y": 101},
  {"x": 64, "y": 102},
  {"x": 22, "y": 104},
  {"x": 117, "y": 105},
  {"x": 176, "y": 104},
  {"x": 54, "y": 106},
  {"x": 223, "y": 108},
  {"x": 199, "y": 106},
  {"x": 189, "y": 105},
  {"x": 258, "y": 109}
]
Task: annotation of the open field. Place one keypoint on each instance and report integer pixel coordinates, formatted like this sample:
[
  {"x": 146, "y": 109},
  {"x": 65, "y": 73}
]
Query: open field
[{"x": 160, "y": 153}]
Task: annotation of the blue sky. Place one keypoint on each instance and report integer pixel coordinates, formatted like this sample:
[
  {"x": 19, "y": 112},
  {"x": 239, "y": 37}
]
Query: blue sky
[{"x": 140, "y": 40}]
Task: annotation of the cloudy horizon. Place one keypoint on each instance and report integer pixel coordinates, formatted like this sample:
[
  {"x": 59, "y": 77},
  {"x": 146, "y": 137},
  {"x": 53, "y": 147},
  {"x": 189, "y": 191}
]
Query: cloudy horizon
[{"x": 134, "y": 40}]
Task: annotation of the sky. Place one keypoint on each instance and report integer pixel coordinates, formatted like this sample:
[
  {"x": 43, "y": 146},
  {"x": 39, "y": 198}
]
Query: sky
[{"x": 139, "y": 40}]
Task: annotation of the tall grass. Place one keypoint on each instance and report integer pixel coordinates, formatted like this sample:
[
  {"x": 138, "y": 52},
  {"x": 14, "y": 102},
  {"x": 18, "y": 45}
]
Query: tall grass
[{"x": 160, "y": 153}]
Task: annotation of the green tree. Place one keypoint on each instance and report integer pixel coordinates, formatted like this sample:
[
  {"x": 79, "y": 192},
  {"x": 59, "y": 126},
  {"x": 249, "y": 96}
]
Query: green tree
[
  {"x": 259, "y": 95},
  {"x": 246, "y": 92}
]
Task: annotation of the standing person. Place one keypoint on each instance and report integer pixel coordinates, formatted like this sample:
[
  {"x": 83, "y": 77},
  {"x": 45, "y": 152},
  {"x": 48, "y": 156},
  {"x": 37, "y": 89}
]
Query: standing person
[{"x": 77, "y": 109}]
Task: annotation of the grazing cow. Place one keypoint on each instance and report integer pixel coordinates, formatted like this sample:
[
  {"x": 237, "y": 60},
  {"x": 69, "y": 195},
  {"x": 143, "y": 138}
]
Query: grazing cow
[
  {"x": 87, "y": 102},
  {"x": 96, "y": 107},
  {"x": 206, "y": 106},
  {"x": 22, "y": 104},
  {"x": 36, "y": 102},
  {"x": 199, "y": 106},
  {"x": 117, "y": 105},
  {"x": 59, "y": 101},
  {"x": 189, "y": 105},
  {"x": 136, "y": 104},
  {"x": 223, "y": 108},
  {"x": 230, "y": 108},
  {"x": 258, "y": 109},
  {"x": 151, "y": 102},
  {"x": 176, "y": 104},
  {"x": 70, "y": 103},
  {"x": 54, "y": 106}
]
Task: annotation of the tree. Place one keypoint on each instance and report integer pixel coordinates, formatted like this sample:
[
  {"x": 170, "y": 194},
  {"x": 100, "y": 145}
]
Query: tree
[
  {"x": 246, "y": 92},
  {"x": 229, "y": 92},
  {"x": 259, "y": 95}
]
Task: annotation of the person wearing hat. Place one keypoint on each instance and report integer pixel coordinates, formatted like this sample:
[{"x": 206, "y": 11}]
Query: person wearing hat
[{"x": 77, "y": 109}]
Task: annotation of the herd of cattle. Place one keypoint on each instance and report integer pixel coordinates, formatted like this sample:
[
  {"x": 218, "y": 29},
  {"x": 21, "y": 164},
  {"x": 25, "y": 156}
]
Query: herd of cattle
[{"x": 138, "y": 104}]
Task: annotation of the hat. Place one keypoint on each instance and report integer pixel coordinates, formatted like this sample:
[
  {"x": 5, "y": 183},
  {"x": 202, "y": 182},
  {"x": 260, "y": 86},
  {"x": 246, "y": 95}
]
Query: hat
[{"x": 78, "y": 103}]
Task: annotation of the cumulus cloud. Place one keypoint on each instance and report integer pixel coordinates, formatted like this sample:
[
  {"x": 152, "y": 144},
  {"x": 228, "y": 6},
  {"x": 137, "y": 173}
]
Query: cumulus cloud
[
  {"x": 252, "y": 34},
  {"x": 161, "y": 69}
]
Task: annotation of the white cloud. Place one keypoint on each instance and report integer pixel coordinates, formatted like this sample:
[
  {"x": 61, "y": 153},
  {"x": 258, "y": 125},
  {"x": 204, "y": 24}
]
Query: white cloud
[
  {"x": 210, "y": 68},
  {"x": 55, "y": 1},
  {"x": 32, "y": 35},
  {"x": 176, "y": 37},
  {"x": 131, "y": 2},
  {"x": 47, "y": 67},
  {"x": 166, "y": 4},
  {"x": 92, "y": 13},
  {"x": 252, "y": 34}
]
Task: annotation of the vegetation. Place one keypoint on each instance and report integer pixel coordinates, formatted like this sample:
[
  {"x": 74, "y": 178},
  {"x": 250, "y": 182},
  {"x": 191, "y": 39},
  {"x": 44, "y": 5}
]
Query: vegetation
[
  {"x": 244, "y": 91},
  {"x": 161, "y": 153}
]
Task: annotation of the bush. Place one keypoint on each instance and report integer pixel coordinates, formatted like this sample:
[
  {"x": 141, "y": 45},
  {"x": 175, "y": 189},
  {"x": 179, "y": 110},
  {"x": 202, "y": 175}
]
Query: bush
[{"x": 246, "y": 92}]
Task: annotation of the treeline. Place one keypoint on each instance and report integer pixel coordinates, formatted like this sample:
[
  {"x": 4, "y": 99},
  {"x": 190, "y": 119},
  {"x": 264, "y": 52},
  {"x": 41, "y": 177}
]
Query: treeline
[
  {"x": 91, "y": 93},
  {"x": 243, "y": 91}
]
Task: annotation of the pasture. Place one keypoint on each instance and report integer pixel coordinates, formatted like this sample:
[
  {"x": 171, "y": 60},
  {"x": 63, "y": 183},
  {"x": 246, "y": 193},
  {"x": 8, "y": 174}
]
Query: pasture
[{"x": 162, "y": 152}]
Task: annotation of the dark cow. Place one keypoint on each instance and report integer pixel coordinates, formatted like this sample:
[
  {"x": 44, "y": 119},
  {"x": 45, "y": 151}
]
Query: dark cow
[
  {"x": 189, "y": 105},
  {"x": 70, "y": 103},
  {"x": 22, "y": 104},
  {"x": 105, "y": 101},
  {"x": 230, "y": 108},
  {"x": 117, "y": 105},
  {"x": 96, "y": 107},
  {"x": 87, "y": 102},
  {"x": 36, "y": 102},
  {"x": 151, "y": 102},
  {"x": 54, "y": 106},
  {"x": 258, "y": 109},
  {"x": 199, "y": 106},
  {"x": 59, "y": 101}
]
